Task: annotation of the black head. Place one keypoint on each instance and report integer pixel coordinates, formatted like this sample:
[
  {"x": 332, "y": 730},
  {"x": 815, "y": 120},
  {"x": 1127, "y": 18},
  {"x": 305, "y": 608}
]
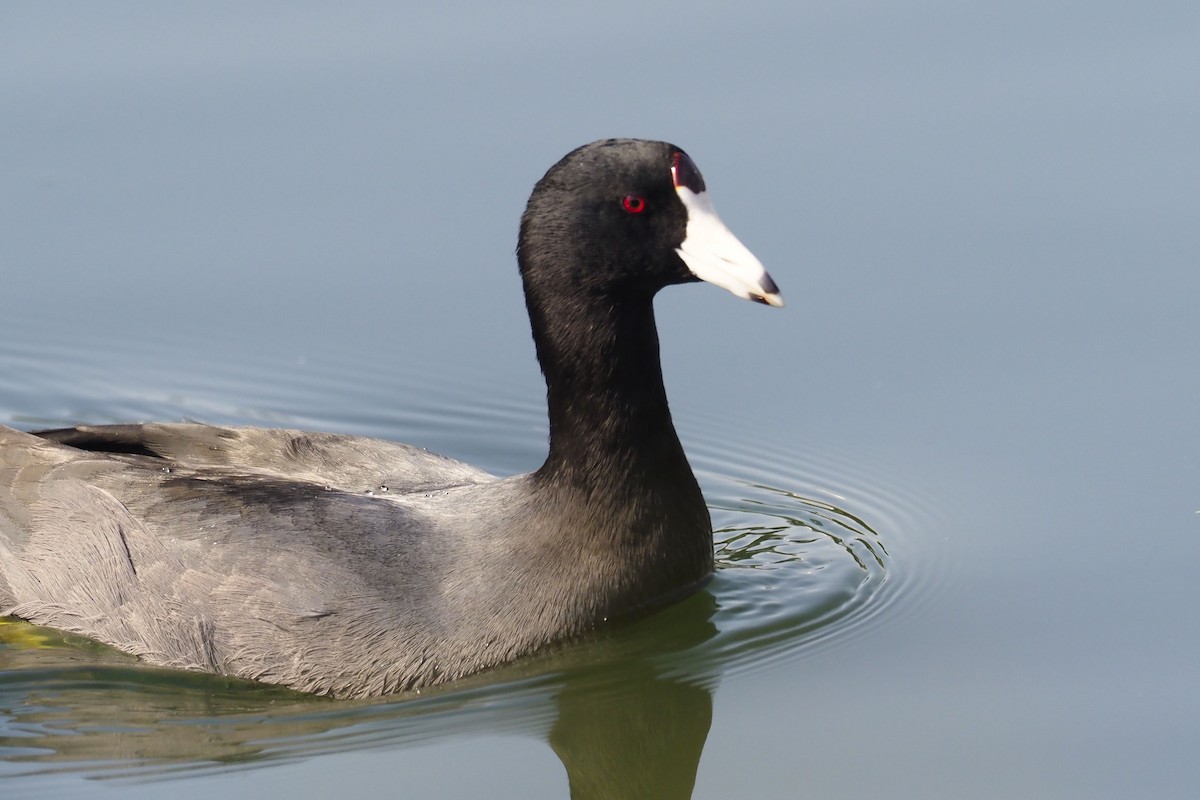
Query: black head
[{"x": 620, "y": 219}]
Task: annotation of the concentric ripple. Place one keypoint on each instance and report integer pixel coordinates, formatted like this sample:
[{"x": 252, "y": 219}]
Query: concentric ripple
[{"x": 810, "y": 552}]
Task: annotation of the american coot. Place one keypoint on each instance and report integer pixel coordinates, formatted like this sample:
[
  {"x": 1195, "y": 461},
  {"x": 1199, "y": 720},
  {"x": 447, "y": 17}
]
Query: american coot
[{"x": 277, "y": 555}]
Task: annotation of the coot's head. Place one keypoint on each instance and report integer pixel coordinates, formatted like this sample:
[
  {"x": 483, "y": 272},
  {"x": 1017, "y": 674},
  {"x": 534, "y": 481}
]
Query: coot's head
[{"x": 620, "y": 219}]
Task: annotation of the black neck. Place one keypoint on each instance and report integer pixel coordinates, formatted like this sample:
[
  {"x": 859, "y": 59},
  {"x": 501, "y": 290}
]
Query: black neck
[
  {"x": 610, "y": 424},
  {"x": 614, "y": 455},
  {"x": 616, "y": 470}
]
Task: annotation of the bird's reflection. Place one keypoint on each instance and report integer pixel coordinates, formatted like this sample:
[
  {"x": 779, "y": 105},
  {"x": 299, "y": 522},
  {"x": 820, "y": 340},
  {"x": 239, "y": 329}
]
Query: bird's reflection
[
  {"x": 644, "y": 743},
  {"x": 631, "y": 710}
]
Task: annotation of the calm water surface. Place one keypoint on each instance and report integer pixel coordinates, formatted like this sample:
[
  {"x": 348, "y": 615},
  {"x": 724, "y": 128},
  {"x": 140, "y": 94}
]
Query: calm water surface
[{"x": 956, "y": 482}]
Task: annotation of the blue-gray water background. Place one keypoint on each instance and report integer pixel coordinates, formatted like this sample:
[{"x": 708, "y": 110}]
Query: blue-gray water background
[{"x": 983, "y": 217}]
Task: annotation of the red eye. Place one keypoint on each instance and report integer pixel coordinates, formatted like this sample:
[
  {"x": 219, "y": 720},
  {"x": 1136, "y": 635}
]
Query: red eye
[{"x": 633, "y": 204}]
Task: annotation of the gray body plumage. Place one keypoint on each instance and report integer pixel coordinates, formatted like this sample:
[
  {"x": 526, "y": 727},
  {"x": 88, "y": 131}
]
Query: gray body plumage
[{"x": 327, "y": 563}]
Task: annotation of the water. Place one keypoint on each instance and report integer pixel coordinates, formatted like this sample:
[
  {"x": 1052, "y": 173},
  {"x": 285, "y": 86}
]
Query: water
[{"x": 954, "y": 481}]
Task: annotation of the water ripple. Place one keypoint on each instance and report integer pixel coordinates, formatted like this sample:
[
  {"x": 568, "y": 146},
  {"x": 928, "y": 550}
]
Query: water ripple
[{"x": 812, "y": 549}]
